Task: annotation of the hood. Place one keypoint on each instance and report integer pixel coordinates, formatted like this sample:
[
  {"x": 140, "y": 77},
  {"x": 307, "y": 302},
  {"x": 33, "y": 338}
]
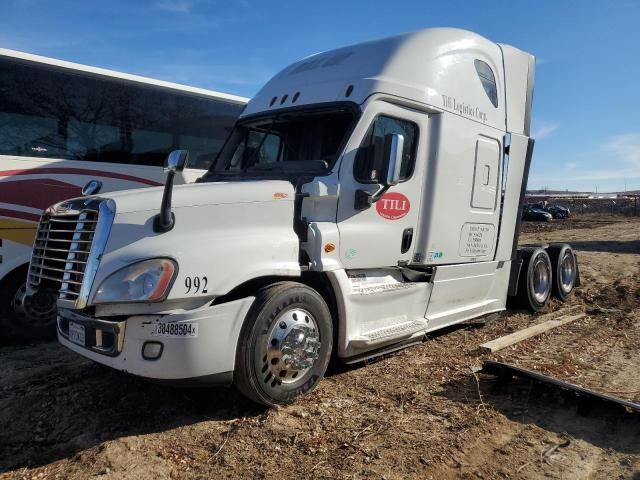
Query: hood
[
  {"x": 202, "y": 194},
  {"x": 226, "y": 232}
]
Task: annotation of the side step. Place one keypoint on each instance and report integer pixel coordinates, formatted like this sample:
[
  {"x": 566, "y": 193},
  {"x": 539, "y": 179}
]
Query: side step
[
  {"x": 392, "y": 333},
  {"x": 394, "y": 347},
  {"x": 505, "y": 371}
]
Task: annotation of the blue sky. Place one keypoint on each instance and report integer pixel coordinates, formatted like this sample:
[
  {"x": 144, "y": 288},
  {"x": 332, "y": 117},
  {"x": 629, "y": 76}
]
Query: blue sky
[{"x": 587, "y": 96}]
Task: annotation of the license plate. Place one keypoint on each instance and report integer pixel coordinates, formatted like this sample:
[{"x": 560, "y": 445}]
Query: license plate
[
  {"x": 176, "y": 330},
  {"x": 76, "y": 333}
]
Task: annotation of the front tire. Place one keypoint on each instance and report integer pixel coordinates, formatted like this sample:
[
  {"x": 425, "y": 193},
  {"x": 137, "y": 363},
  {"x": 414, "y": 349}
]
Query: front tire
[
  {"x": 535, "y": 280},
  {"x": 35, "y": 320},
  {"x": 285, "y": 344}
]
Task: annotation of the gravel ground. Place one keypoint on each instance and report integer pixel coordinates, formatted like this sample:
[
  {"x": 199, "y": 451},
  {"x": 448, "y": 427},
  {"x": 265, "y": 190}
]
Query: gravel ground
[{"x": 419, "y": 413}]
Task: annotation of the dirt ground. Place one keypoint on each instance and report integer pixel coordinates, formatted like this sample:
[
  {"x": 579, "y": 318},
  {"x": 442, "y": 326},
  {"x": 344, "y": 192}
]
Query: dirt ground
[{"x": 419, "y": 413}]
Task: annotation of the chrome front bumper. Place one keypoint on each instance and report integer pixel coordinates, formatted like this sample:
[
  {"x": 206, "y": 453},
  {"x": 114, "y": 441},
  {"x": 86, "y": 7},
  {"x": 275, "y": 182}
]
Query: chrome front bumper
[{"x": 102, "y": 336}]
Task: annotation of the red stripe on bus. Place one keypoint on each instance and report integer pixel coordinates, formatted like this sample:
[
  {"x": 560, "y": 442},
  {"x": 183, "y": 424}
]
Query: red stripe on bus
[
  {"x": 37, "y": 192},
  {"x": 79, "y": 171},
  {"x": 32, "y": 217}
]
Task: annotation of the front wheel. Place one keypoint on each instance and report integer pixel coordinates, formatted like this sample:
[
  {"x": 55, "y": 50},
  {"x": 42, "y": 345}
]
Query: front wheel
[
  {"x": 33, "y": 319},
  {"x": 285, "y": 344}
]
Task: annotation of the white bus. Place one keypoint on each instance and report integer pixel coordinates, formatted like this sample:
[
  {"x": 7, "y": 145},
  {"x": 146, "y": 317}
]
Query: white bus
[{"x": 63, "y": 125}]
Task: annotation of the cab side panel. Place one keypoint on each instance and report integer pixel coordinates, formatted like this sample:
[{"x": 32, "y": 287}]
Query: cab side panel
[{"x": 461, "y": 202}]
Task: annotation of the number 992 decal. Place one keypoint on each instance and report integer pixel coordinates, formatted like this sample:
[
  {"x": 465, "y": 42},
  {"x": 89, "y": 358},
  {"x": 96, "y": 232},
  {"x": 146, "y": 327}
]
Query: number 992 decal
[
  {"x": 195, "y": 285},
  {"x": 175, "y": 330}
]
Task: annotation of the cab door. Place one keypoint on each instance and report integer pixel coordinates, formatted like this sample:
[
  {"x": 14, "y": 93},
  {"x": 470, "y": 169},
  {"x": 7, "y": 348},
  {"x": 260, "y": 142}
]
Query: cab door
[{"x": 382, "y": 233}]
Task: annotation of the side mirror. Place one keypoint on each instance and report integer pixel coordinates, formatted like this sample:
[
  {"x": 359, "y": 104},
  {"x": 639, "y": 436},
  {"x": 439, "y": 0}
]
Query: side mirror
[
  {"x": 176, "y": 161},
  {"x": 392, "y": 160},
  {"x": 393, "y": 148}
]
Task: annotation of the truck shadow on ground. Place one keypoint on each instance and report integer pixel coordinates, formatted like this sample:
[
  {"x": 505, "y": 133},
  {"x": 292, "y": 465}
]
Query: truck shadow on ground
[
  {"x": 523, "y": 402},
  {"x": 56, "y": 410},
  {"x": 613, "y": 246},
  {"x": 55, "y": 404}
]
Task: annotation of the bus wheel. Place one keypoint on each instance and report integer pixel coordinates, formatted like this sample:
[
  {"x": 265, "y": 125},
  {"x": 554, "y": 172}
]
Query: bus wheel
[
  {"x": 34, "y": 319},
  {"x": 285, "y": 344},
  {"x": 536, "y": 280}
]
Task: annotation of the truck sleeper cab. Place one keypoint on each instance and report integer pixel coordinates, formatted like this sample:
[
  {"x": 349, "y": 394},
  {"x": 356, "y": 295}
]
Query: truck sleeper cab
[{"x": 366, "y": 196}]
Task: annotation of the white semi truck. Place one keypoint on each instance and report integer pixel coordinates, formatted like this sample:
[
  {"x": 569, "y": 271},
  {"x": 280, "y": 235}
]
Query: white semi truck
[{"x": 366, "y": 196}]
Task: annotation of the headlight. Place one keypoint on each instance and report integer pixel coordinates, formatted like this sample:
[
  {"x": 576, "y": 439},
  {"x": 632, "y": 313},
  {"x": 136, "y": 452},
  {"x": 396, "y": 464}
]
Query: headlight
[{"x": 146, "y": 281}]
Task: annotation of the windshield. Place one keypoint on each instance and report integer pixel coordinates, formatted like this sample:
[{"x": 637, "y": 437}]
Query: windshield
[{"x": 303, "y": 141}]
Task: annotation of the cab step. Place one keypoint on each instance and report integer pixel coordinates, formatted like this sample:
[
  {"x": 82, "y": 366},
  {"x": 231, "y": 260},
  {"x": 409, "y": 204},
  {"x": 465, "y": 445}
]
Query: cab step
[{"x": 391, "y": 333}]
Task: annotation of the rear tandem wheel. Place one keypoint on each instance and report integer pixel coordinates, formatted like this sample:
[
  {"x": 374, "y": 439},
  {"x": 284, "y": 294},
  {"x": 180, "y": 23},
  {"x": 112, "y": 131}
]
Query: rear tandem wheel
[{"x": 536, "y": 279}]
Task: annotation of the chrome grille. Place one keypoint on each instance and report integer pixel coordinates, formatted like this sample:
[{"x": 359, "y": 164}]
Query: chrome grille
[{"x": 61, "y": 250}]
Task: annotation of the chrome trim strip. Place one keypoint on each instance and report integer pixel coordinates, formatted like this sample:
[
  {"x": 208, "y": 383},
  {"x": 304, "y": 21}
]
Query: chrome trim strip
[{"x": 106, "y": 215}]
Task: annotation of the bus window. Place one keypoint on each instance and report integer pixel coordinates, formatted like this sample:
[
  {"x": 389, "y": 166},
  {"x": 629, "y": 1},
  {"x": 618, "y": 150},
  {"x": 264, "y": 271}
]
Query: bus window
[{"x": 52, "y": 112}]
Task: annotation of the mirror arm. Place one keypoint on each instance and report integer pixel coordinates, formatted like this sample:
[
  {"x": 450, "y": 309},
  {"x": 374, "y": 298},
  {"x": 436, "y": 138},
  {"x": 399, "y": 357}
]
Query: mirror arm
[
  {"x": 364, "y": 199},
  {"x": 165, "y": 220},
  {"x": 375, "y": 196}
]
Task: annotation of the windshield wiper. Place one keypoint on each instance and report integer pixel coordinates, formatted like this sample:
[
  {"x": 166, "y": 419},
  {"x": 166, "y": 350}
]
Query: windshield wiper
[
  {"x": 291, "y": 167},
  {"x": 264, "y": 167}
]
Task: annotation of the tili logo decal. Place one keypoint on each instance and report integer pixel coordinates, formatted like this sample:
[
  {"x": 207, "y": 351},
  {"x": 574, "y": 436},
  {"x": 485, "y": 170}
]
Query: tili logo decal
[{"x": 393, "y": 206}]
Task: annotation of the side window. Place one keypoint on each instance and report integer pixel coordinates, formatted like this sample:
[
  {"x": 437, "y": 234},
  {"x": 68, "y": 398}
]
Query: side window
[
  {"x": 488, "y": 80},
  {"x": 369, "y": 161}
]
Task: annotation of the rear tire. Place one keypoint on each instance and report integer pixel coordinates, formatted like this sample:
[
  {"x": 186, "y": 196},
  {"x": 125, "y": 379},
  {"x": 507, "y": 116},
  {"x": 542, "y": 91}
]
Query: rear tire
[
  {"x": 565, "y": 270},
  {"x": 16, "y": 323},
  {"x": 285, "y": 344},
  {"x": 535, "y": 283}
]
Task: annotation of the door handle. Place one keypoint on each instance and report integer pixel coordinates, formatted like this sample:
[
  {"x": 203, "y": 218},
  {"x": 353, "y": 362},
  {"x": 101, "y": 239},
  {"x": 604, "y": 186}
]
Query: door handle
[{"x": 407, "y": 238}]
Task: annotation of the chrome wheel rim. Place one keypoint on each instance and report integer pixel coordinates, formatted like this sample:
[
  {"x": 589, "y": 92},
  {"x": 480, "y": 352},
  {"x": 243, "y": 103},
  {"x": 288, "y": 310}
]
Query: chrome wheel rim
[
  {"x": 42, "y": 312},
  {"x": 567, "y": 272},
  {"x": 541, "y": 280},
  {"x": 17, "y": 305},
  {"x": 290, "y": 348}
]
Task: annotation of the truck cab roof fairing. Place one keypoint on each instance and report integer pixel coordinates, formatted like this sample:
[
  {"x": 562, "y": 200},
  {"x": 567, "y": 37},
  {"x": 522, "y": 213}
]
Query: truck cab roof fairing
[{"x": 430, "y": 66}]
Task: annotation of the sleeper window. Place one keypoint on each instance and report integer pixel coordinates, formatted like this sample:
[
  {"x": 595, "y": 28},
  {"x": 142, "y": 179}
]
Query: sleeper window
[
  {"x": 488, "y": 80},
  {"x": 369, "y": 160}
]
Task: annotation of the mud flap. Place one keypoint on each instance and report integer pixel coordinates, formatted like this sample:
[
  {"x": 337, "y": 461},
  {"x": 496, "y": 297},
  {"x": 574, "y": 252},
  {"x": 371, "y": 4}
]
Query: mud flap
[{"x": 514, "y": 276}]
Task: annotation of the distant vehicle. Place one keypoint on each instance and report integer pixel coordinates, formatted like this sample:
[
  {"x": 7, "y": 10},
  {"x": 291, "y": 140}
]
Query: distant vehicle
[
  {"x": 557, "y": 211},
  {"x": 535, "y": 214}
]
